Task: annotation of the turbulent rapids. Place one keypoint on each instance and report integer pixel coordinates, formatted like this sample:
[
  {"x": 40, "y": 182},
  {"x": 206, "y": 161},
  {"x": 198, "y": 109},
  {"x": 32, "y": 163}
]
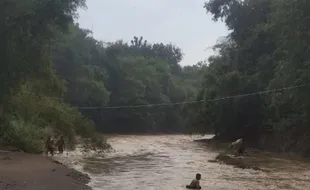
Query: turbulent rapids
[{"x": 168, "y": 162}]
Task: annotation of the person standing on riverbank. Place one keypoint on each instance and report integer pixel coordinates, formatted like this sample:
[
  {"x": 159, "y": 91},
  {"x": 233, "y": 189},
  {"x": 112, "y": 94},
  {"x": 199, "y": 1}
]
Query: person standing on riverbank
[
  {"x": 49, "y": 146},
  {"x": 60, "y": 145}
]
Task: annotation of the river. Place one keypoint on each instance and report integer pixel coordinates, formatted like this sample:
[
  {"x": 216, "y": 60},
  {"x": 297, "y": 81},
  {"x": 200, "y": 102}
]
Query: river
[{"x": 169, "y": 162}]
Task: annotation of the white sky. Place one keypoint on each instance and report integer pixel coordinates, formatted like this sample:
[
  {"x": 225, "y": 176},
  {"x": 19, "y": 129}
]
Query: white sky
[{"x": 183, "y": 23}]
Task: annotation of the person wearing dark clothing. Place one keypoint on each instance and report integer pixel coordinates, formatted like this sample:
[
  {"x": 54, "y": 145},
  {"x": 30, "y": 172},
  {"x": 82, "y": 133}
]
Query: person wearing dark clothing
[
  {"x": 60, "y": 144},
  {"x": 49, "y": 146},
  {"x": 195, "y": 183}
]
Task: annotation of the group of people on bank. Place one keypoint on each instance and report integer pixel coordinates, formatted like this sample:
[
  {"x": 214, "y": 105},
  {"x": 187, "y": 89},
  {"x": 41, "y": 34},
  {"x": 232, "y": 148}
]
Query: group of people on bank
[{"x": 50, "y": 145}]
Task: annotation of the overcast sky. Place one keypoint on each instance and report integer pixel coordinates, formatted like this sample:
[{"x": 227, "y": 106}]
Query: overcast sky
[{"x": 183, "y": 23}]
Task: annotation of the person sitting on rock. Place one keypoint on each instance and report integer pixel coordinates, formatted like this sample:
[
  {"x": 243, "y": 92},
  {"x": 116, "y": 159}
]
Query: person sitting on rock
[
  {"x": 195, "y": 183},
  {"x": 238, "y": 145}
]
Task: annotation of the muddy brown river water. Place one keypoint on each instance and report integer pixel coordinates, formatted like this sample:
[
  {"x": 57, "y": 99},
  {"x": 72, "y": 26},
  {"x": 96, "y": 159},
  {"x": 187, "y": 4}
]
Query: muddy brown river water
[{"x": 169, "y": 162}]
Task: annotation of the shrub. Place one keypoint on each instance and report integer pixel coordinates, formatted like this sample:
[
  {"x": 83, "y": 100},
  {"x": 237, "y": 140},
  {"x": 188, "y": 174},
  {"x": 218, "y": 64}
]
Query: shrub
[
  {"x": 25, "y": 136},
  {"x": 31, "y": 117}
]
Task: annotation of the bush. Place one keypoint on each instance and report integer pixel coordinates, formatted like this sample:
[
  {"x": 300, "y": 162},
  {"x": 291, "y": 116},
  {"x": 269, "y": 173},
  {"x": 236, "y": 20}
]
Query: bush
[
  {"x": 25, "y": 136},
  {"x": 32, "y": 117},
  {"x": 97, "y": 143}
]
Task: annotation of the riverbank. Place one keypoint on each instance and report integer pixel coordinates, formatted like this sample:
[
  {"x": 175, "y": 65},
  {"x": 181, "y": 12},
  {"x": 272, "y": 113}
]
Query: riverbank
[
  {"x": 222, "y": 145},
  {"x": 22, "y": 171},
  {"x": 253, "y": 158}
]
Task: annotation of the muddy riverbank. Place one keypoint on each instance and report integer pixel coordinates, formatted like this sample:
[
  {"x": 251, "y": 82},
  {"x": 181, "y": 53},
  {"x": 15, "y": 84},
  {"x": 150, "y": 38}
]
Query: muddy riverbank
[{"x": 22, "y": 171}]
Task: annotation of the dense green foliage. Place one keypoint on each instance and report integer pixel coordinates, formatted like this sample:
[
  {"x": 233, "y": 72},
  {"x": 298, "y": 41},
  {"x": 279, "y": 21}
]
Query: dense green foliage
[
  {"x": 58, "y": 79},
  {"x": 267, "y": 48},
  {"x": 51, "y": 70},
  {"x": 31, "y": 93},
  {"x": 118, "y": 74}
]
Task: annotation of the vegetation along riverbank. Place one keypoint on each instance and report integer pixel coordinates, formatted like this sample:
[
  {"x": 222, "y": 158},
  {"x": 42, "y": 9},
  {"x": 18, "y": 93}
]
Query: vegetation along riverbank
[
  {"x": 58, "y": 80},
  {"x": 265, "y": 60}
]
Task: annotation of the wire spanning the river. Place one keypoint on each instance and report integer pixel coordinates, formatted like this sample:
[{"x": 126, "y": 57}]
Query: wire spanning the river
[{"x": 197, "y": 101}]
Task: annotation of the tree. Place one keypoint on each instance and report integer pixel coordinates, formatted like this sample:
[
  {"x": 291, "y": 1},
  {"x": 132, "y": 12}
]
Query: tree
[
  {"x": 31, "y": 94},
  {"x": 128, "y": 74},
  {"x": 265, "y": 50}
]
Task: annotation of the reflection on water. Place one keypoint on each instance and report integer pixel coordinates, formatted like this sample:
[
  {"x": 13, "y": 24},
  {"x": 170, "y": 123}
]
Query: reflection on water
[{"x": 169, "y": 162}]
